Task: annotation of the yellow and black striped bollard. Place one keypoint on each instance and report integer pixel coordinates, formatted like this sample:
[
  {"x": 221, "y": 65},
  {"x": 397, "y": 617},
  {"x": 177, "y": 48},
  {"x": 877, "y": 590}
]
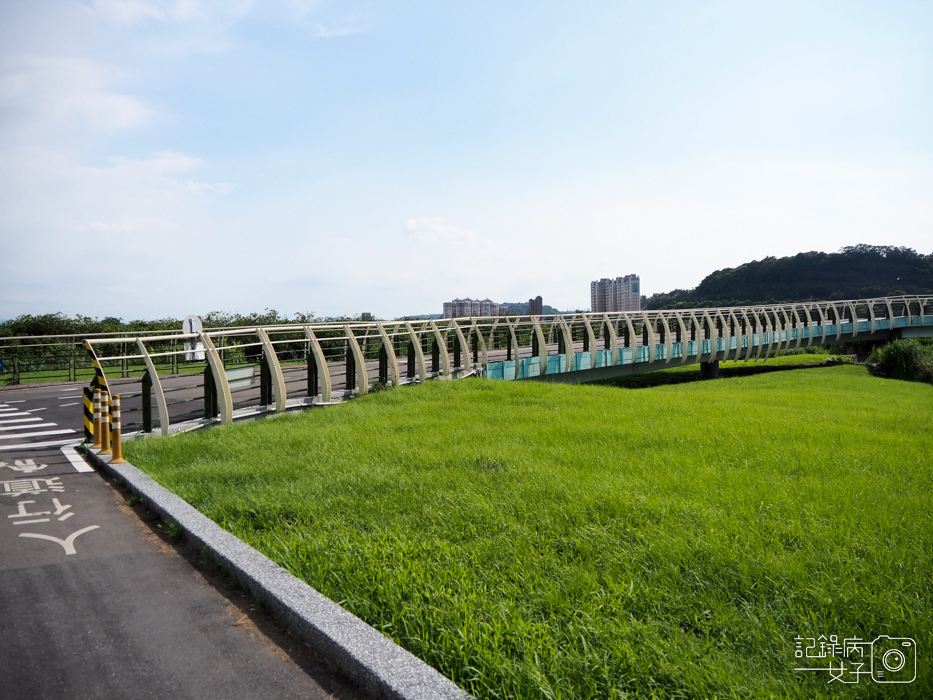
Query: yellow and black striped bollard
[
  {"x": 116, "y": 432},
  {"x": 105, "y": 424},
  {"x": 98, "y": 420}
]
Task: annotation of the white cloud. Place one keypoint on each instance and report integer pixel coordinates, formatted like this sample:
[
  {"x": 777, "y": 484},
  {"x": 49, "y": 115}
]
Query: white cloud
[
  {"x": 346, "y": 30},
  {"x": 434, "y": 231},
  {"x": 164, "y": 11},
  {"x": 65, "y": 93}
]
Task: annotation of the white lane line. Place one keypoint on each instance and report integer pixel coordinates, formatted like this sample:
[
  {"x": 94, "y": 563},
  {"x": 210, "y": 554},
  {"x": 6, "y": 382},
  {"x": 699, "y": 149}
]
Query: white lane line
[
  {"x": 20, "y": 436},
  {"x": 28, "y": 419},
  {"x": 18, "y": 401},
  {"x": 26, "y": 427},
  {"x": 9, "y": 410},
  {"x": 76, "y": 403},
  {"x": 34, "y": 445},
  {"x": 76, "y": 461},
  {"x": 33, "y": 410},
  {"x": 72, "y": 388}
]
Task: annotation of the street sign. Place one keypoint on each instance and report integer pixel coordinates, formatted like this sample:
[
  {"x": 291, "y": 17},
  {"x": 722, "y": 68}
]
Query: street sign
[{"x": 194, "y": 349}]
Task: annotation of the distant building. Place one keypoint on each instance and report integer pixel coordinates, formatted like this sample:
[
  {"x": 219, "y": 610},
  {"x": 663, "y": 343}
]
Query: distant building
[
  {"x": 536, "y": 306},
  {"x": 619, "y": 294},
  {"x": 470, "y": 307}
]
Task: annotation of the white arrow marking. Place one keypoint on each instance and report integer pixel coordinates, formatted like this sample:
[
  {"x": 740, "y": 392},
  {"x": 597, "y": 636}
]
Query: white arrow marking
[{"x": 68, "y": 544}]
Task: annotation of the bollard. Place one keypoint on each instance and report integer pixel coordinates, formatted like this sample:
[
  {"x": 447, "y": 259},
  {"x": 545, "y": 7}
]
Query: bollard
[
  {"x": 115, "y": 433},
  {"x": 97, "y": 419},
  {"x": 105, "y": 424}
]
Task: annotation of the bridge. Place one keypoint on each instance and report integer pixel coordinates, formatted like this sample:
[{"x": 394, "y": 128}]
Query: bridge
[{"x": 220, "y": 375}]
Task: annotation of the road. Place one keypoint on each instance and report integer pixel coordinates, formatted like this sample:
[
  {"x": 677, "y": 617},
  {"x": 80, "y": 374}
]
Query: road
[{"x": 95, "y": 605}]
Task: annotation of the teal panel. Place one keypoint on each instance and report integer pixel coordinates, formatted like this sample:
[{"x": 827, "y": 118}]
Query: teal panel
[{"x": 494, "y": 370}]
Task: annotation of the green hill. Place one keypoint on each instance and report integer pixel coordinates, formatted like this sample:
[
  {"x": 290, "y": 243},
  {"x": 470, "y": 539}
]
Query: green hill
[{"x": 853, "y": 272}]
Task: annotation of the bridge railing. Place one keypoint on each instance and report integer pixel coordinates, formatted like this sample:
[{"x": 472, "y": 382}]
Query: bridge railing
[{"x": 170, "y": 382}]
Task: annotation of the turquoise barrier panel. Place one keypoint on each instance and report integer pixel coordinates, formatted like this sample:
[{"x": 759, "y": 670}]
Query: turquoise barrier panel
[
  {"x": 660, "y": 352},
  {"x": 529, "y": 367},
  {"x": 556, "y": 364},
  {"x": 642, "y": 354},
  {"x": 707, "y": 347},
  {"x": 581, "y": 360},
  {"x": 494, "y": 370},
  {"x": 508, "y": 369},
  {"x": 677, "y": 350}
]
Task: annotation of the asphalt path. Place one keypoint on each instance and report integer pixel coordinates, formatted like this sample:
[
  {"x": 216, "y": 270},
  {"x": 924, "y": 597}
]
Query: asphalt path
[{"x": 94, "y": 605}]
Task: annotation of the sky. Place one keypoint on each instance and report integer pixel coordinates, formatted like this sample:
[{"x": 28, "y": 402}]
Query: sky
[{"x": 162, "y": 158}]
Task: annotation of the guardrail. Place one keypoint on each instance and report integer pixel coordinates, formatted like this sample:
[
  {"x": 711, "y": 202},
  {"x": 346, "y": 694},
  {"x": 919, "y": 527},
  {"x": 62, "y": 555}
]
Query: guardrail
[{"x": 247, "y": 371}]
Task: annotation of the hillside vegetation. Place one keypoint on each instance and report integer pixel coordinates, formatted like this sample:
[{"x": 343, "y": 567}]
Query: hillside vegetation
[{"x": 854, "y": 272}]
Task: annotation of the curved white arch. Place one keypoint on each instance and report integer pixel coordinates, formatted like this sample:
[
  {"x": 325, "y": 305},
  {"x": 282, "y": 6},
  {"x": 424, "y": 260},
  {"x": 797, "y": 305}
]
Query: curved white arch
[
  {"x": 441, "y": 350},
  {"x": 542, "y": 346},
  {"x": 513, "y": 339},
  {"x": 568, "y": 344},
  {"x": 323, "y": 373},
  {"x": 161, "y": 404},
  {"x": 278, "y": 380},
  {"x": 482, "y": 344},
  {"x": 464, "y": 346},
  {"x": 224, "y": 398},
  {"x": 798, "y": 325},
  {"x": 610, "y": 329},
  {"x": 390, "y": 355},
  {"x": 591, "y": 337},
  {"x": 420, "y": 365},
  {"x": 362, "y": 378}
]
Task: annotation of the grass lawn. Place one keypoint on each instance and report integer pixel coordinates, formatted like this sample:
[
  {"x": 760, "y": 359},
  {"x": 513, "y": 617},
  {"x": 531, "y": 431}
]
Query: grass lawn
[
  {"x": 727, "y": 369},
  {"x": 536, "y": 540}
]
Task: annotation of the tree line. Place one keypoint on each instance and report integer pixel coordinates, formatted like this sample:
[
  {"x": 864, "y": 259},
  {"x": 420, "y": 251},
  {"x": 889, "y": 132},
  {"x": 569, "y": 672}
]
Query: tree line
[{"x": 854, "y": 272}]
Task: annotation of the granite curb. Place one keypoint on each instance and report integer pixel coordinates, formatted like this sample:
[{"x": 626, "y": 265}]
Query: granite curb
[{"x": 363, "y": 654}]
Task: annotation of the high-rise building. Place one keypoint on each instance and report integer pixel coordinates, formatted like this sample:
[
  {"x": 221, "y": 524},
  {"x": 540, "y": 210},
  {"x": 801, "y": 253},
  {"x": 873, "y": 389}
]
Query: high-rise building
[
  {"x": 470, "y": 307},
  {"x": 619, "y": 294},
  {"x": 536, "y": 306}
]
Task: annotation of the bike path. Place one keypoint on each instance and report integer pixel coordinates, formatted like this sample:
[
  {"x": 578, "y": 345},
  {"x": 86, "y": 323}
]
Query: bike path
[{"x": 93, "y": 605}]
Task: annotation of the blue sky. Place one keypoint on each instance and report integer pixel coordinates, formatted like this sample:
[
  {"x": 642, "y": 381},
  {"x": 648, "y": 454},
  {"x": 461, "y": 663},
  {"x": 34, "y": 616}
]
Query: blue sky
[{"x": 166, "y": 158}]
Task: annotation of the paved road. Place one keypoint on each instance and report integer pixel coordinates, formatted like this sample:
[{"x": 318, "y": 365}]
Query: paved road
[{"x": 94, "y": 605}]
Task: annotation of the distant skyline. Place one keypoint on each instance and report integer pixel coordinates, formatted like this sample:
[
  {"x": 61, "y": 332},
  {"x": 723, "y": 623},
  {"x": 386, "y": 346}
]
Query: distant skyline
[{"x": 160, "y": 158}]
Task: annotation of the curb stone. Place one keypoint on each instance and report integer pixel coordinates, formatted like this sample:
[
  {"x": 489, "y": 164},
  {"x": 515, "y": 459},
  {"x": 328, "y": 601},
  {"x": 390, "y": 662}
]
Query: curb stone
[{"x": 363, "y": 654}]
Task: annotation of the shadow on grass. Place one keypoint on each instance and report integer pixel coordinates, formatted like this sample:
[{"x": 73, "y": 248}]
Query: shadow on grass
[{"x": 683, "y": 375}]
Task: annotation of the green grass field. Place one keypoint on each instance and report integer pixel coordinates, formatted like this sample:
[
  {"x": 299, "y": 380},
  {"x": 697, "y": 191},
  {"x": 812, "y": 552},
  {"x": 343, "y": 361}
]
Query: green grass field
[{"x": 535, "y": 540}]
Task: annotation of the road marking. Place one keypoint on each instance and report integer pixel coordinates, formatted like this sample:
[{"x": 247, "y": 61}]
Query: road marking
[
  {"x": 34, "y": 445},
  {"x": 24, "y": 427},
  {"x": 30, "y": 419},
  {"x": 33, "y": 410},
  {"x": 68, "y": 544},
  {"x": 9, "y": 410},
  {"x": 18, "y": 401},
  {"x": 76, "y": 461},
  {"x": 72, "y": 388},
  {"x": 76, "y": 403},
  {"x": 36, "y": 434}
]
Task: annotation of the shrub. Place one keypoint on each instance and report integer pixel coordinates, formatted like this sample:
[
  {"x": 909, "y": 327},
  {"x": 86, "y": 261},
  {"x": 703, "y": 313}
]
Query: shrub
[{"x": 904, "y": 359}]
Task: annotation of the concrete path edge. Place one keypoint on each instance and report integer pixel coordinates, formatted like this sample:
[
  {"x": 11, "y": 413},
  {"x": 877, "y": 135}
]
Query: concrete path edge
[{"x": 366, "y": 656}]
